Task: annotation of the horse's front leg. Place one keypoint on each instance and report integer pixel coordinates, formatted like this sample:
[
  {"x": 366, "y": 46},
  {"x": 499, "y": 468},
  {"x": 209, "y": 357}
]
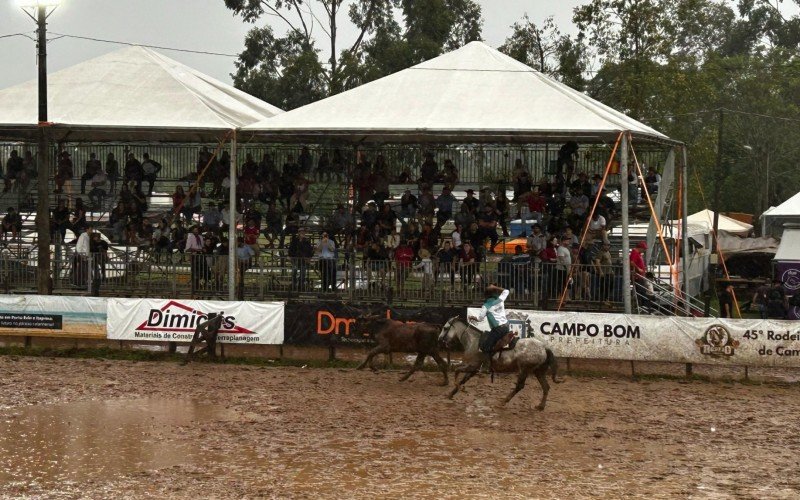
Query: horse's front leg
[
  {"x": 442, "y": 365},
  {"x": 416, "y": 366},
  {"x": 374, "y": 352}
]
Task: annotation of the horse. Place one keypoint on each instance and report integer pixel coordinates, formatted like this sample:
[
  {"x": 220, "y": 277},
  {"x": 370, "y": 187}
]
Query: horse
[
  {"x": 528, "y": 356},
  {"x": 206, "y": 331},
  {"x": 397, "y": 336}
]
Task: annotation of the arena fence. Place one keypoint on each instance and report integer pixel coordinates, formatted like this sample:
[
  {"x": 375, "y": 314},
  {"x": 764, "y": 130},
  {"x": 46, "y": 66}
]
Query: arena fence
[{"x": 135, "y": 272}]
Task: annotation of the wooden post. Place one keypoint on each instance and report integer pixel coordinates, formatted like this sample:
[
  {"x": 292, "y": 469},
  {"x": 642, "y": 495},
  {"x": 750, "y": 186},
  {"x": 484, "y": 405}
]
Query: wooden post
[{"x": 688, "y": 370}]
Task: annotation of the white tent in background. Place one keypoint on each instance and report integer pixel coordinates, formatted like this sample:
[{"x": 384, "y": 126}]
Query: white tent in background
[
  {"x": 133, "y": 93},
  {"x": 772, "y": 220},
  {"x": 705, "y": 218},
  {"x": 473, "y": 94}
]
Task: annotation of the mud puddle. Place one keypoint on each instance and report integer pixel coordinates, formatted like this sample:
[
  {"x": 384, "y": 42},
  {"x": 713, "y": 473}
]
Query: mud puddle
[{"x": 67, "y": 442}]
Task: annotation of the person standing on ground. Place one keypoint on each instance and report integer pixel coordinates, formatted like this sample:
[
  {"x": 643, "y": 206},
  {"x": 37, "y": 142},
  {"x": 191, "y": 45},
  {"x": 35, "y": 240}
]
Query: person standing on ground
[{"x": 726, "y": 301}]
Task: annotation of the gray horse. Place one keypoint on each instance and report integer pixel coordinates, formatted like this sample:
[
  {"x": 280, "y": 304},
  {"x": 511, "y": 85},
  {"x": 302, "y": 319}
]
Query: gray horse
[{"x": 529, "y": 356}]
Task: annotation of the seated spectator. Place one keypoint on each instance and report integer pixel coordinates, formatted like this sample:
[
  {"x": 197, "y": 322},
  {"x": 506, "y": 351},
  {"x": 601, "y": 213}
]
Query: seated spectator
[
  {"x": 369, "y": 217},
  {"x": 99, "y": 183},
  {"x": 93, "y": 166},
  {"x": 79, "y": 222},
  {"x": 392, "y": 242},
  {"x": 456, "y": 237},
  {"x": 428, "y": 239},
  {"x": 536, "y": 205},
  {"x": 597, "y": 184},
  {"x": 597, "y": 228},
  {"x": 579, "y": 206},
  {"x": 405, "y": 177},
  {"x": 464, "y": 217},
  {"x": 582, "y": 185},
  {"x": 192, "y": 204},
  {"x": 179, "y": 237},
  {"x": 266, "y": 169},
  {"x": 471, "y": 202},
  {"x": 291, "y": 168},
  {"x": 178, "y": 199},
  {"x": 487, "y": 223},
  {"x": 387, "y": 220},
  {"x": 161, "y": 239},
  {"x": 63, "y": 172},
  {"x": 403, "y": 256},
  {"x": 298, "y": 202},
  {"x": 249, "y": 167},
  {"x": 450, "y": 173},
  {"x": 521, "y": 181},
  {"x": 118, "y": 219},
  {"x": 12, "y": 223}
]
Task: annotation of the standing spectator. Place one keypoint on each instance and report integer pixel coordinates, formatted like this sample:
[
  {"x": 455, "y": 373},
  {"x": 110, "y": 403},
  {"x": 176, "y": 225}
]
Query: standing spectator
[
  {"x": 450, "y": 173},
  {"x": 79, "y": 217},
  {"x": 597, "y": 227},
  {"x": 633, "y": 188},
  {"x": 326, "y": 249},
  {"x": 64, "y": 171},
  {"x": 251, "y": 233},
  {"x": 408, "y": 205},
  {"x": 446, "y": 259},
  {"x": 429, "y": 170},
  {"x": 605, "y": 273},
  {"x": 502, "y": 205},
  {"x": 249, "y": 167},
  {"x": 244, "y": 258},
  {"x": 521, "y": 263},
  {"x": 426, "y": 266},
  {"x": 133, "y": 171},
  {"x": 300, "y": 253},
  {"x": 426, "y": 204},
  {"x": 537, "y": 205},
  {"x": 194, "y": 249},
  {"x": 464, "y": 217},
  {"x": 273, "y": 222},
  {"x": 536, "y": 242},
  {"x": 387, "y": 220},
  {"x": 468, "y": 261},
  {"x": 99, "y": 182},
  {"x": 192, "y": 203},
  {"x": 376, "y": 259},
  {"x": 563, "y": 264},
  {"x": 487, "y": 223},
  {"x": 567, "y": 157},
  {"x": 726, "y": 301},
  {"x": 380, "y": 180},
  {"x": 118, "y": 218},
  {"x": 93, "y": 166},
  {"x": 266, "y": 169},
  {"x": 112, "y": 170},
  {"x": 150, "y": 170},
  {"x": 777, "y": 303},
  {"x": 212, "y": 218},
  {"x": 178, "y": 199},
  {"x": 304, "y": 161},
  {"x": 15, "y": 168},
  {"x": 83, "y": 251},
  {"x": 760, "y": 299},
  {"x": 12, "y": 223},
  {"x": 455, "y": 236},
  {"x": 444, "y": 205},
  {"x": 403, "y": 255},
  {"x": 99, "y": 250},
  {"x": 638, "y": 269},
  {"x": 652, "y": 181},
  {"x": 392, "y": 242},
  {"x": 161, "y": 239},
  {"x": 324, "y": 167}
]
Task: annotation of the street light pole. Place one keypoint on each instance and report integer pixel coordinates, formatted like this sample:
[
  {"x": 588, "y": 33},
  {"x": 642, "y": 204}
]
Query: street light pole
[{"x": 43, "y": 170}]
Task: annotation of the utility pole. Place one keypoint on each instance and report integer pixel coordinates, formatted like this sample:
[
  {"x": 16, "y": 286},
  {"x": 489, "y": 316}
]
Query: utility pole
[
  {"x": 626, "y": 242},
  {"x": 718, "y": 178},
  {"x": 43, "y": 166}
]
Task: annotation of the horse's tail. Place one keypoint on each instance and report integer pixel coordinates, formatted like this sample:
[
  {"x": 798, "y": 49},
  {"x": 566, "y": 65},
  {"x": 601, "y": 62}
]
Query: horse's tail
[{"x": 552, "y": 364}]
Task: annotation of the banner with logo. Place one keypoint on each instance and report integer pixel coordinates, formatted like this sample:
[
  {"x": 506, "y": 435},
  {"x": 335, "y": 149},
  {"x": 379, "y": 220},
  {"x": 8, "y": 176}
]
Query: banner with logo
[
  {"x": 171, "y": 320},
  {"x": 323, "y": 323},
  {"x": 68, "y": 316},
  {"x": 742, "y": 342}
]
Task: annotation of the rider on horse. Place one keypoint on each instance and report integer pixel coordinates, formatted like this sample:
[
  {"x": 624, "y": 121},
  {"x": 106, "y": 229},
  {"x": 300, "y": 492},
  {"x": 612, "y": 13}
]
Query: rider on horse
[{"x": 494, "y": 311}]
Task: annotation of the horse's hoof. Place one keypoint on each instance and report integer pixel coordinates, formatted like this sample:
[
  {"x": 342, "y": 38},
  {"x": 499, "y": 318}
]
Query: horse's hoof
[
  {"x": 540, "y": 407},
  {"x": 443, "y": 384}
]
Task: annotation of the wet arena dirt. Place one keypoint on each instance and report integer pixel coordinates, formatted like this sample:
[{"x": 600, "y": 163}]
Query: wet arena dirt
[{"x": 73, "y": 428}]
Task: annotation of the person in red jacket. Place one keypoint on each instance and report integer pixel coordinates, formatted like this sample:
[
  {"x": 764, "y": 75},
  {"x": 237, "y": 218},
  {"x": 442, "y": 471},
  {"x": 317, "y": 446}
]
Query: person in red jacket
[{"x": 403, "y": 256}]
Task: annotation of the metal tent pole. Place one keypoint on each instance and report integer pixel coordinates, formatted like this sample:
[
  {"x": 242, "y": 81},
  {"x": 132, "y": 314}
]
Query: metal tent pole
[
  {"x": 232, "y": 224},
  {"x": 626, "y": 268},
  {"x": 685, "y": 225}
]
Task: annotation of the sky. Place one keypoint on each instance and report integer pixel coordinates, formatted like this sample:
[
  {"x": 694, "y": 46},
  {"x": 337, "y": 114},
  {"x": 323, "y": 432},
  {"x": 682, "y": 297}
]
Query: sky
[{"x": 205, "y": 25}]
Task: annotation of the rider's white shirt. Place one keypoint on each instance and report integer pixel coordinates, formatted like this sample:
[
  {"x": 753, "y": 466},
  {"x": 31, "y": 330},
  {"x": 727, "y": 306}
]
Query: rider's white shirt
[{"x": 497, "y": 310}]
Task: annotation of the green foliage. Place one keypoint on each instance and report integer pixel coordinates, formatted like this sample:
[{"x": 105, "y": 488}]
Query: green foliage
[{"x": 287, "y": 71}]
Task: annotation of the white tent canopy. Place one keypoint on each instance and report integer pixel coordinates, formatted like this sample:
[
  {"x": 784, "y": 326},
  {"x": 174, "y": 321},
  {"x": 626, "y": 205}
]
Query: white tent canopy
[
  {"x": 772, "y": 220},
  {"x": 473, "y": 94},
  {"x": 705, "y": 218},
  {"x": 133, "y": 93}
]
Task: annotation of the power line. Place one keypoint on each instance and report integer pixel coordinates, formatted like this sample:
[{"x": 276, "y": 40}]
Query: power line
[
  {"x": 63, "y": 35},
  {"x": 17, "y": 34}
]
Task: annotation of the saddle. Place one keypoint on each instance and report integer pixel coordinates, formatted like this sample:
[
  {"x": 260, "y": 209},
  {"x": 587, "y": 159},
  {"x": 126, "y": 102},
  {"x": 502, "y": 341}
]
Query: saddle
[{"x": 506, "y": 342}]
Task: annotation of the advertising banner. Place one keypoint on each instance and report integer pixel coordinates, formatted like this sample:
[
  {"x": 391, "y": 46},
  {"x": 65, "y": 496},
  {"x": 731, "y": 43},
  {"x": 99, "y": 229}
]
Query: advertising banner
[
  {"x": 742, "y": 342},
  {"x": 323, "y": 323},
  {"x": 171, "y": 320},
  {"x": 68, "y": 316}
]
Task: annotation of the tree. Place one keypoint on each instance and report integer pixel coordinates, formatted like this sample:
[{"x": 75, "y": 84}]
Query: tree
[
  {"x": 287, "y": 70},
  {"x": 547, "y": 50}
]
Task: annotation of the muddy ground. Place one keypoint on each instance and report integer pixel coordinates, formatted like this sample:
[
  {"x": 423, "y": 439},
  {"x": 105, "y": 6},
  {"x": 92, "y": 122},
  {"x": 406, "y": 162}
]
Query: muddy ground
[{"x": 100, "y": 429}]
